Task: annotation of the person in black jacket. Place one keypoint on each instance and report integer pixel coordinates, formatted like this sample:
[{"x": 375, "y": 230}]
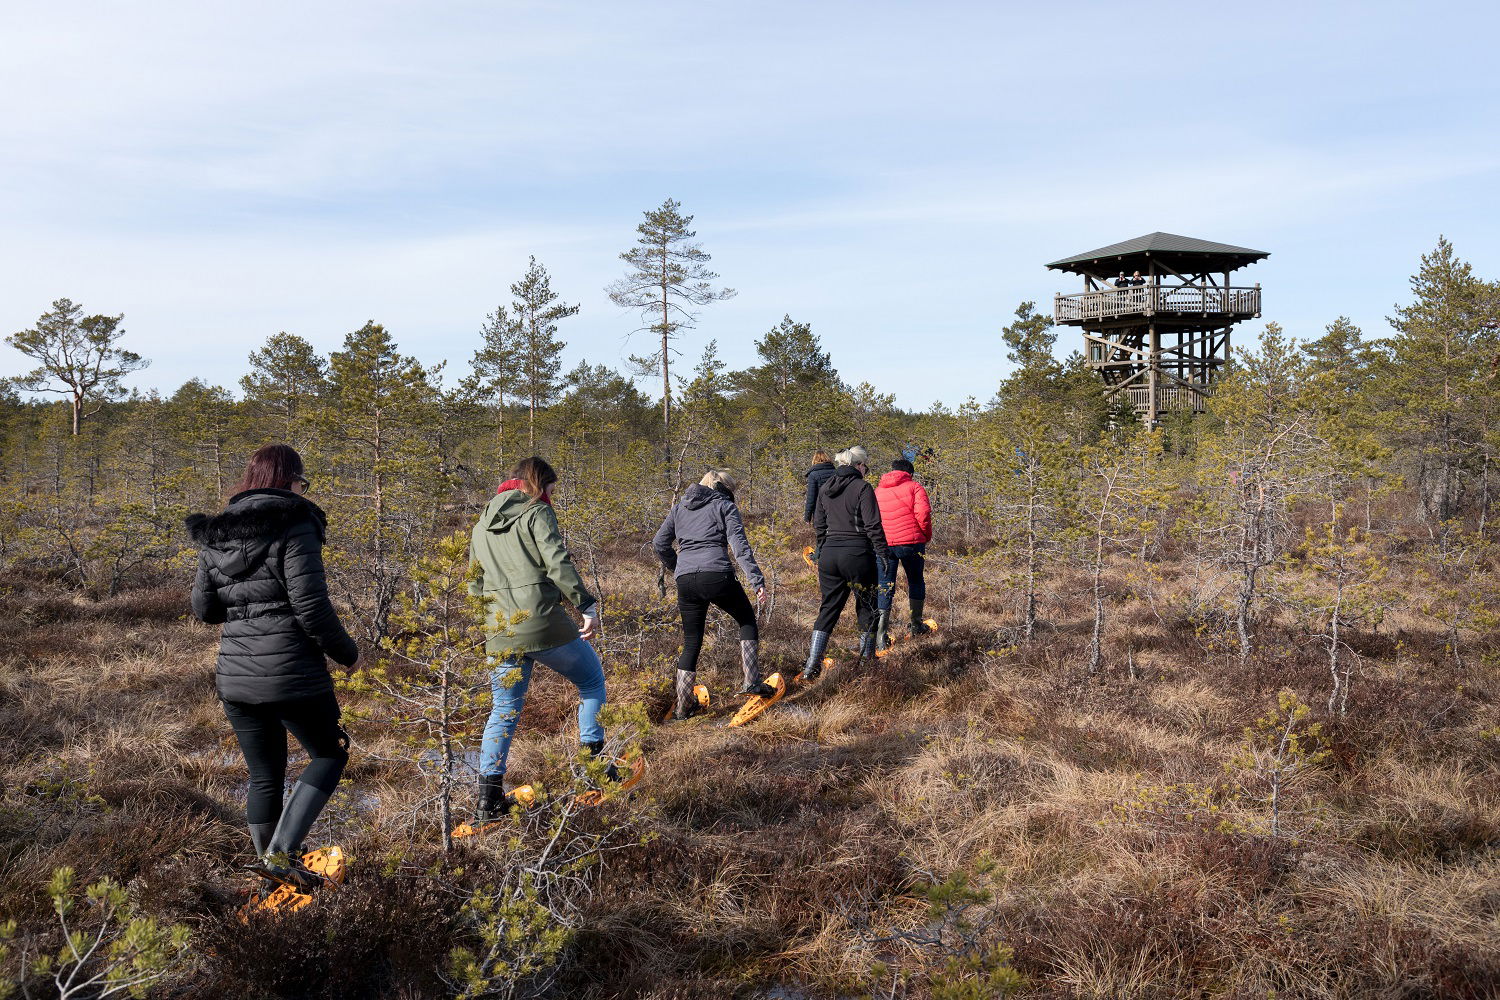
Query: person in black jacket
[
  {"x": 819, "y": 474},
  {"x": 260, "y": 575},
  {"x": 850, "y": 540}
]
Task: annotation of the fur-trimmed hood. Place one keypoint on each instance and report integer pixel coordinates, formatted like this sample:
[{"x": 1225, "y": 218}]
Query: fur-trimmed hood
[{"x": 244, "y": 531}]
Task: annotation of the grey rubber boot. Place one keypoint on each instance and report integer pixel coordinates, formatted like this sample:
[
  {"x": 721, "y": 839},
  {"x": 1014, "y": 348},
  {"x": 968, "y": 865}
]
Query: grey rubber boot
[
  {"x": 687, "y": 703},
  {"x": 883, "y": 630},
  {"x": 750, "y": 659},
  {"x": 918, "y": 625},
  {"x": 866, "y": 645},
  {"x": 815, "y": 651},
  {"x": 260, "y": 837}
]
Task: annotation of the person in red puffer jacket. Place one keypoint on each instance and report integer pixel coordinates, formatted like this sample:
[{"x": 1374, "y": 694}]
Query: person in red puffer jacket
[{"x": 907, "y": 516}]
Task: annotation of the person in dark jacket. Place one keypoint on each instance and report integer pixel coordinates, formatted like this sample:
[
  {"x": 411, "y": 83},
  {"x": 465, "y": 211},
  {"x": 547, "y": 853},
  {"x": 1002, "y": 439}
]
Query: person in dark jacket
[
  {"x": 705, "y": 524},
  {"x": 850, "y": 541},
  {"x": 524, "y": 572},
  {"x": 819, "y": 474},
  {"x": 260, "y": 575}
]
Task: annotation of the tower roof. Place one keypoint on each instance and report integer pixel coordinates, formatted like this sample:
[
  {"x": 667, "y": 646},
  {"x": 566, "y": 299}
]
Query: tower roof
[{"x": 1181, "y": 253}]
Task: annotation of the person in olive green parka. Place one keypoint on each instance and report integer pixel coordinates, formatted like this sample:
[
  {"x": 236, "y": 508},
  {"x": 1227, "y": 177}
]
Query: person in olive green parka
[{"x": 525, "y": 574}]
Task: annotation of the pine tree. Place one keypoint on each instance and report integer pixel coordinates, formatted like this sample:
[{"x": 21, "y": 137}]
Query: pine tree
[
  {"x": 1341, "y": 388},
  {"x": 78, "y": 356},
  {"x": 201, "y": 418},
  {"x": 703, "y": 415},
  {"x": 1029, "y": 460},
  {"x": 668, "y": 278},
  {"x": 429, "y": 692},
  {"x": 1119, "y": 493},
  {"x": 1252, "y": 469},
  {"x": 796, "y": 400},
  {"x": 385, "y": 475},
  {"x": 495, "y": 370},
  {"x": 1029, "y": 341},
  {"x": 286, "y": 379},
  {"x": 535, "y": 313},
  {"x": 1438, "y": 375}
]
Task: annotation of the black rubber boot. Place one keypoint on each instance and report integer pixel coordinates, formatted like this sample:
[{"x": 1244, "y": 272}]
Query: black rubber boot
[
  {"x": 918, "y": 624},
  {"x": 283, "y": 858},
  {"x": 492, "y": 804},
  {"x": 611, "y": 773},
  {"x": 815, "y": 651},
  {"x": 883, "y": 630}
]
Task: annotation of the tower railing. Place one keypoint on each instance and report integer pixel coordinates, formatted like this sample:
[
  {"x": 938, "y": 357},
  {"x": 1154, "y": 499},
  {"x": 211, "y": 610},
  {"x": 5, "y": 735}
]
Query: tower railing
[{"x": 1153, "y": 300}]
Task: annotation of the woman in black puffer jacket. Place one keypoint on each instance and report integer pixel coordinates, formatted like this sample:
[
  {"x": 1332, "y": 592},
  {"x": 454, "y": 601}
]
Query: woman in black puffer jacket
[{"x": 260, "y": 575}]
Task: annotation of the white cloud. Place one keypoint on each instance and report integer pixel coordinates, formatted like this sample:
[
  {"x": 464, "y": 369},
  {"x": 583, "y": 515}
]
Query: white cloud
[{"x": 888, "y": 171}]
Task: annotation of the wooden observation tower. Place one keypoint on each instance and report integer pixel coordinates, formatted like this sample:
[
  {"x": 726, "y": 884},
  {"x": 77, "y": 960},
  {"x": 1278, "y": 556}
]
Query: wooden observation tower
[{"x": 1163, "y": 337}]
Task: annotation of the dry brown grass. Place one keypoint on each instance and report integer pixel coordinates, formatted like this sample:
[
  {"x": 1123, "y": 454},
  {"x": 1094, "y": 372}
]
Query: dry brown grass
[{"x": 768, "y": 856}]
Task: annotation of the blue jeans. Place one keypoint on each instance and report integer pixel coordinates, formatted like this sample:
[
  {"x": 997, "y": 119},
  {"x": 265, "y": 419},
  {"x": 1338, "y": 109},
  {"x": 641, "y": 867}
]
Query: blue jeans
[
  {"x": 909, "y": 558},
  {"x": 576, "y": 661}
]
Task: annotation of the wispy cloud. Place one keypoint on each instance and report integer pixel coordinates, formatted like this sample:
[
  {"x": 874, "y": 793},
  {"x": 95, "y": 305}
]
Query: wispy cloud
[{"x": 895, "y": 173}]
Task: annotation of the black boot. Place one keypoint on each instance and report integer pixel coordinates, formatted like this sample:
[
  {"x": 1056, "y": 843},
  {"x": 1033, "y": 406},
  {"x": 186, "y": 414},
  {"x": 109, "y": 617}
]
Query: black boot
[
  {"x": 815, "y": 651},
  {"x": 492, "y": 803},
  {"x": 918, "y": 623},
  {"x": 611, "y": 773},
  {"x": 283, "y": 858},
  {"x": 883, "y": 630}
]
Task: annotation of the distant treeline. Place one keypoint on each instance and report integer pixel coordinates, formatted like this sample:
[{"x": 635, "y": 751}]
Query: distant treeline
[{"x": 1315, "y": 454}]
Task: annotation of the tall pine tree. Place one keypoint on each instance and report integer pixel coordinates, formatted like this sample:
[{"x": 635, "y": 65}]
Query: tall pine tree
[{"x": 668, "y": 279}]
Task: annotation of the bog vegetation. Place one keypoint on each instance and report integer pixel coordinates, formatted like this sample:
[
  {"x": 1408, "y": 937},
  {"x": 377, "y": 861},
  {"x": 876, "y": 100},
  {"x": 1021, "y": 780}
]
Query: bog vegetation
[{"x": 1211, "y": 711}]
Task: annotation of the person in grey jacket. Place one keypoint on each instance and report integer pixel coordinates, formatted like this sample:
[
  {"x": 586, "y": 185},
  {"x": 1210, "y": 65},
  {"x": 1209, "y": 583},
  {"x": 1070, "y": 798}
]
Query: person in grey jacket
[
  {"x": 260, "y": 575},
  {"x": 705, "y": 524}
]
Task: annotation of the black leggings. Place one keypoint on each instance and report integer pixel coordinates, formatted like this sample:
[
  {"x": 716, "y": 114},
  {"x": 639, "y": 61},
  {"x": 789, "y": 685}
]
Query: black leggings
[
  {"x": 262, "y": 728},
  {"x": 842, "y": 571},
  {"x": 695, "y": 592}
]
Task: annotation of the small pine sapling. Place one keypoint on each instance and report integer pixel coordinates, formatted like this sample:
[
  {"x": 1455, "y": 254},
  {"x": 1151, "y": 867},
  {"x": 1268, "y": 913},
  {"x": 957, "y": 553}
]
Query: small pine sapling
[
  {"x": 1279, "y": 748},
  {"x": 123, "y": 952},
  {"x": 517, "y": 925},
  {"x": 1332, "y": 583},
  {"x": 1119, "y": 497},
  {"x": 959, "y": 955},
  {"x": 429, "y": 693}
]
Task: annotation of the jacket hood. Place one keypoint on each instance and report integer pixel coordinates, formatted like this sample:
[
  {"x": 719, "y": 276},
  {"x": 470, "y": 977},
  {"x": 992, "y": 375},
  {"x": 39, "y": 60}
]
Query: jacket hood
[
  {"x": 699, "y": 496},
  {"x": 843, "y": 477},
  {"x": 244, "y": 531},
  {"x": 895, "y": 478},
  {"x": 506, "y": 509},
  {"x": 819, "y": 467}
]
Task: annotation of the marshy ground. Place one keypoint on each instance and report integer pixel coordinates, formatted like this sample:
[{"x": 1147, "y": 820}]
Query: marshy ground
[{"x": 1111, "y": 831}]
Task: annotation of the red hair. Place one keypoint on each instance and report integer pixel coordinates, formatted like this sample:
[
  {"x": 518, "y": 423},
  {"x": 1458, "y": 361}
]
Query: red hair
[{"x": 273, "y": 466}]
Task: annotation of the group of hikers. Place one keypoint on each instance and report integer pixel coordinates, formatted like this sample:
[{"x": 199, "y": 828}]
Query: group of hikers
[{"x": 261, "y": 576}]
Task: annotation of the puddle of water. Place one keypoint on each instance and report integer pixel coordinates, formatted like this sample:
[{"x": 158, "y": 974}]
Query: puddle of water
[{"x": 465, "y": 764}]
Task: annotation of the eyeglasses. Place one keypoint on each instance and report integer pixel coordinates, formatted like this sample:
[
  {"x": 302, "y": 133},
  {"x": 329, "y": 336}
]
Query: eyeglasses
[{"x": 306, "y": 483}]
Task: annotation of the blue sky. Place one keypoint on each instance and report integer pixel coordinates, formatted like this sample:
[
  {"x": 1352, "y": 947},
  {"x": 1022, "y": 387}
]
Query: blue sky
[{"x": 895, "y": 174}]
